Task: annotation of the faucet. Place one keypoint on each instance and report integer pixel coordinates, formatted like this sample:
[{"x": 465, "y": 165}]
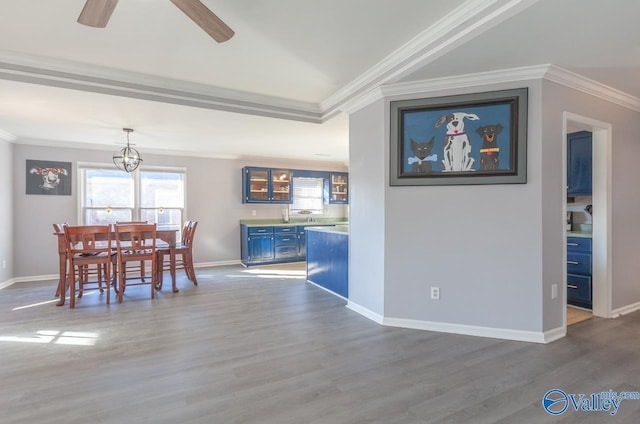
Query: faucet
[{"x": 309, "y": 219}]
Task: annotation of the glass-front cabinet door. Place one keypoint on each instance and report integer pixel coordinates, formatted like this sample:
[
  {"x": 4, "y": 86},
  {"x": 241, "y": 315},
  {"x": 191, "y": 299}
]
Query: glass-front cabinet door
[
  {"x": 280, "y": 186},
  {"x": 339, "y": 185},
  {"x": 256, "y": 185},
  {"x": 266, "y": 185}
]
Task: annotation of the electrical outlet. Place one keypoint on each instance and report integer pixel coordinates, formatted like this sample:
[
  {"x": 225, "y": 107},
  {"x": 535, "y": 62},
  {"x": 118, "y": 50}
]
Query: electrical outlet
[
  {"x": 435, "y": 293},
  {"x": 254, "y": 212},
  {"x": 554, "y": 291}
]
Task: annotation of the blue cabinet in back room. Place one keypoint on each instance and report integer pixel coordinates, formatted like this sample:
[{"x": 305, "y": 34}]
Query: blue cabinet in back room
[{"x": 579, "y": 163}]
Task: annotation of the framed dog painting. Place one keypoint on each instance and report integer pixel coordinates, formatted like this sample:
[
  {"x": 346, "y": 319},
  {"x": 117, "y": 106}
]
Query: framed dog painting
[
  {"x": 47, "y": 177},
  {"x": 478, "y": 138}
]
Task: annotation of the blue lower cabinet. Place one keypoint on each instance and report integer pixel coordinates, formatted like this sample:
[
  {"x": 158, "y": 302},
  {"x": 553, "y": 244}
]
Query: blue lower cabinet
[
  {"x": 260, "y": 248},
  {"x": 579, "y": 263},
  {"x": 579, "y": 269},
  {"x": 328, "y": 261},
  {"x": 256, "y": 244},
  {"x": 270, "y": 244},
  {"x": 286, "y": 244},
  {"x": 579, "y": 290}
]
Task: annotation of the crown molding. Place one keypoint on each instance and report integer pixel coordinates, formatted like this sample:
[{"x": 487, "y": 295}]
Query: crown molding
[
  {"x": 548, "y": 72},
  {"x": 501, "y": 76},
  {"x": 594, "y": 88},
  {"x": 467, "y": 21},
  {"x": 435, "y": 85},
  {"x": 98, "y": 79}
]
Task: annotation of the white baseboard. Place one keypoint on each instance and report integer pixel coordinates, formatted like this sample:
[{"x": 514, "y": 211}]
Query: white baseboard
[
  {"x": 34, "y": 278},
  {"x": 365, "y": 312},
  {"x": 217, "y": 263},
  {"x": 469, "y": 330},
  {"x": 7, "y": 283},
  {"x": 625, "y": 310},
  {"x": 555, "y": 334}
]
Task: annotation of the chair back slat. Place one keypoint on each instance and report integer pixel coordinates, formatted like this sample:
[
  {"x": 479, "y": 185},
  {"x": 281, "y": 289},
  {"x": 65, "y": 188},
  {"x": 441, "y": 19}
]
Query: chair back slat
[
  {"x": 191, "y": 231},
  {"x": 136, "y": 238},
  {"x": 88, "y": 239},
  {"x": 58, "y": 231}
]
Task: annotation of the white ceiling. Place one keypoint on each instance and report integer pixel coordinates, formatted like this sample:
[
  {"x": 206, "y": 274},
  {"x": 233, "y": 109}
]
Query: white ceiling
[{"x": 276, "y": 88}]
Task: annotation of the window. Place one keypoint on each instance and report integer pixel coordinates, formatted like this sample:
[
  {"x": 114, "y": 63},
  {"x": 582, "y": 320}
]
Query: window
[
  {"x": 155, "y": 195},
  {"x": 307, "y": 196}
]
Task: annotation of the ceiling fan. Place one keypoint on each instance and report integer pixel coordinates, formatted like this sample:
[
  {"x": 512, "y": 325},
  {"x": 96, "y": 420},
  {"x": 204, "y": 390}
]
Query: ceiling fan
[{"x": 96, "y": 13}]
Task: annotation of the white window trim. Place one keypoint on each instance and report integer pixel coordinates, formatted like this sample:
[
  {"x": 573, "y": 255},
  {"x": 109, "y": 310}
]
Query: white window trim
[
  {"x": 314, "y": 212},
  {"x": 136, "y": 183}
]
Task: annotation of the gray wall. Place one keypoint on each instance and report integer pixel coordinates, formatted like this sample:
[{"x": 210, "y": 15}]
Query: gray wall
[
  {"x": 625, "y": 196},
  {"x": 494, "y": 250},
  {"x": 214, "y": 199},
  {"x": 6, "y": 211},
  {"x": 367, "y": 214},
  {"x": 481, "y": 245}
]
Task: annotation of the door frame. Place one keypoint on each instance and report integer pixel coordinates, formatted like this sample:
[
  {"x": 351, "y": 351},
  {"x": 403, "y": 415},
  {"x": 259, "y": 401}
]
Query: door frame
[{"x": 601, "y": 277}]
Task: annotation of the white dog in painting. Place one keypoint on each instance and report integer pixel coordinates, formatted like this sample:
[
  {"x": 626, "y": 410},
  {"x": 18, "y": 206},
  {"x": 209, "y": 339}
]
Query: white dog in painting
[{"x": 457, "y": 147}]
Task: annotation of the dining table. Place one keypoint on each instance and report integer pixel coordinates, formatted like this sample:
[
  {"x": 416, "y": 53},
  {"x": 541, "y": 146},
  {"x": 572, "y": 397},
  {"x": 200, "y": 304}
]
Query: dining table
[{"x": 165, "y": 239}]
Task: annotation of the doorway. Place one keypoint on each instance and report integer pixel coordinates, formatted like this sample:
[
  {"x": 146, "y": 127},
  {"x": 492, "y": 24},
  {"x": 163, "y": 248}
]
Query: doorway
[{"x": 601, "y": 211}]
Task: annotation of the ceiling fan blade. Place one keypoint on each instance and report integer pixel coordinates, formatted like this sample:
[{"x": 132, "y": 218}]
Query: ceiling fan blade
[
  {"x": 205, "y": 19},
  {"x": 96, "y": 13}
]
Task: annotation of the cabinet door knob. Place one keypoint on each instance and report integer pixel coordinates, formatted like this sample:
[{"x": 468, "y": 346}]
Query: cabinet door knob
[
  {"x": 573, "y": 263},
  {"x": 571, "y": 286}
]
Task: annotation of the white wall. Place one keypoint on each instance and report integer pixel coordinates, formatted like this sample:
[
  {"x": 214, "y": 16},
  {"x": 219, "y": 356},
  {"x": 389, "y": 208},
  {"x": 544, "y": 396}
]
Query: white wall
[{"x": 214, "y": 199}]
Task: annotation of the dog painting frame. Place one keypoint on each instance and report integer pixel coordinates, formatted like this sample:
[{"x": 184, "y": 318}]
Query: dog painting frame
[
  {"x": 48, "y": 177},
  {"x": 478, "y": 138}
]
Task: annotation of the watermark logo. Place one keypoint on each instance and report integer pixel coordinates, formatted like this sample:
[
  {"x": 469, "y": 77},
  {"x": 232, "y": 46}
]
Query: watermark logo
[{"x": 556, "y": 401}]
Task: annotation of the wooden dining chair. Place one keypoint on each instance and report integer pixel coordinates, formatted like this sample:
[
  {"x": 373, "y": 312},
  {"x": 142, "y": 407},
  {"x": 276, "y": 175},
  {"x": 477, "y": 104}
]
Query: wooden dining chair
[
  {"x": 135, "y": 243},
  {"x": 184, "y": 255},
  {"x": 90, "y": 259},
  {"x": 140, "y": 268}
]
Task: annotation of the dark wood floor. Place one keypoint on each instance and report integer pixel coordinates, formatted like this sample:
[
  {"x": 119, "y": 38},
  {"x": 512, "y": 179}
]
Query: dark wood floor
[{"x": 262, "y": 346}]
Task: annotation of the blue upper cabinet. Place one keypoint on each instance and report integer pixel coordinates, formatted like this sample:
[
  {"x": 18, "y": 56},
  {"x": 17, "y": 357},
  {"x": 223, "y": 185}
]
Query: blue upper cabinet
[
  {"x": 281, "y": 186},
  {"x": 338, "y": 187},
  {"x": 579, "y": 163},
  {"x": 266, "y": 185}
]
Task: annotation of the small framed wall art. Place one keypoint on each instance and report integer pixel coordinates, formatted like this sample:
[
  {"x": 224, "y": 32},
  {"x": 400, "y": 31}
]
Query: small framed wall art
[{"x": 47, "y": 177}]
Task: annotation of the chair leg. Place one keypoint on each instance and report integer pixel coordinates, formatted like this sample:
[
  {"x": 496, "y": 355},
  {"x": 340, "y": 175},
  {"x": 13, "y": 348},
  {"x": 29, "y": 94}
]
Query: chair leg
[
  {"x": 82, "y": 274},
  {"x": 107, "y": 281},
  {"x": 121, "y": 280},
  {"x": 188, "y": 267},
  {"x": 159, "y": 271},
  {"x": 72, "y": 289},
  {"x": 100, "y": 268},
  {"x": 153, "y": 279}
]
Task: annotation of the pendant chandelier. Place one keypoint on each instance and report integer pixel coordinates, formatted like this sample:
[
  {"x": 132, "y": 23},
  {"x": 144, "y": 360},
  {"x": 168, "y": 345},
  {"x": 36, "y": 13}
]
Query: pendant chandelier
[{"x": 127, "y": 159}]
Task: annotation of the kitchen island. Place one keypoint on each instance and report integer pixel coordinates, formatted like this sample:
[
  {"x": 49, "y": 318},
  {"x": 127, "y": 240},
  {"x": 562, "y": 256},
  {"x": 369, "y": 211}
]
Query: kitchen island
[
  {"x": 328, "y": 258},
  {"x": 271, "y": 241}
]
